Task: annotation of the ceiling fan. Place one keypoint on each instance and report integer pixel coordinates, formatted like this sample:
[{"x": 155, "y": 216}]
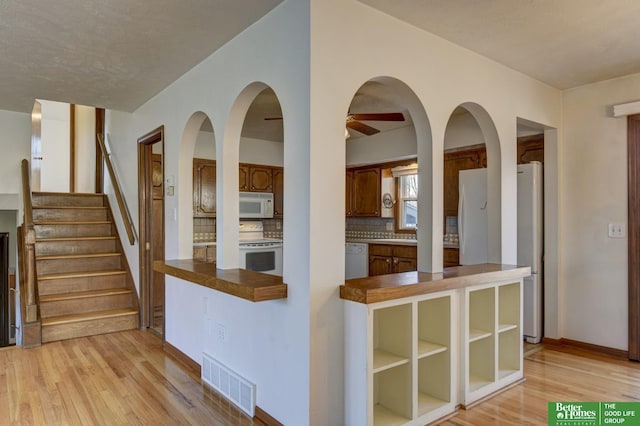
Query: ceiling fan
[{"x": 354, "y": 121}]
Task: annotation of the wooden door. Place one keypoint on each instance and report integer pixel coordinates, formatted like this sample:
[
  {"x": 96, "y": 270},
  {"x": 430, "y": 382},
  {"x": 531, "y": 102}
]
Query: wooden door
[
  {"x": 366, "y": 192},
  {"x": 278, "y": 192},
  {"x": 151, "y": 226}
]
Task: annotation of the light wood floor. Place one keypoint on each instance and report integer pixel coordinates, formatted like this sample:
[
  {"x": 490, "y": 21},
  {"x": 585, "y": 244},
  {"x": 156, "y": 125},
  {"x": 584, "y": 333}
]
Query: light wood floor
[
  {"x": 113, "y": 379},
  {"x": 126, "y": 378}
]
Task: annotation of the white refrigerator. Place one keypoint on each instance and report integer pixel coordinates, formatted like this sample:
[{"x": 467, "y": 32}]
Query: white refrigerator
[
  {"x": 530, "y": 246},
  {"x": 472, "y": 216}
]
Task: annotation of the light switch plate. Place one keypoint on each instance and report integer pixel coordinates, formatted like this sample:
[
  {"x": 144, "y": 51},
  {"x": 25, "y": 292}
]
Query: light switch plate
[{"x": 617, "y": 230}]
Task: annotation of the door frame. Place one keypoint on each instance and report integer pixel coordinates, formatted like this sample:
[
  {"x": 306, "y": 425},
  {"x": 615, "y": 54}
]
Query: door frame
[
  {"x": 5, "y": 326},
  {"x": 145, "y": 209},
  {"x": 633, "y": 227}
]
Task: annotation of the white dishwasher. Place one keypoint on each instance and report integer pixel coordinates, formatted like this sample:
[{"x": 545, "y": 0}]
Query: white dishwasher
[{"x": 357, "y": 260}]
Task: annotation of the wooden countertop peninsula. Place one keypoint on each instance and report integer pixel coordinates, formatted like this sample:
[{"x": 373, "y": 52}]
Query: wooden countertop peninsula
[
  {"x": 396, "y": 286},
  {"x": 249, "y": 285}
]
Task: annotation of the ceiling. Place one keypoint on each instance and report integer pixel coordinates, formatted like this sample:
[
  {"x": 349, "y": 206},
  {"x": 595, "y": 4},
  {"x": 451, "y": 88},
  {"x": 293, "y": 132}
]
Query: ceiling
[
  {"x": 118, "y": 53},
  {"x": 110, "y": 53}
]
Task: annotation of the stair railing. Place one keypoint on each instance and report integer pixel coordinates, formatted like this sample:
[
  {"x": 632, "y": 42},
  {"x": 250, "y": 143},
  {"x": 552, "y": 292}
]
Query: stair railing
[
  {"x": 122, "y": 204},
  {"x": 28, "y": 236}
]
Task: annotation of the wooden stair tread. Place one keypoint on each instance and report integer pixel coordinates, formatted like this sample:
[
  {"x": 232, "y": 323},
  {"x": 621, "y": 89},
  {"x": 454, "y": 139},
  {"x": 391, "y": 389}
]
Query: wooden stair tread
[
  {"x": 84, "y": 294},
  {"x": 73, "y": 222},
  {"x": 51, "y": 239},
  {"x": 78, "y": 256},
  {"x": 70, "y": 207},
  {"x": 82, "y": 274},
  {"x": 88, "y": 316},
  {"x": 72, "y": 194}
]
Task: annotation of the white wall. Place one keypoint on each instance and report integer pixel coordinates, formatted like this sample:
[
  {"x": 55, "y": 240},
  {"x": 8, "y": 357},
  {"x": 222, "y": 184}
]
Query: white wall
[
  {"x": 294, "y": 49},
  {"x": 56, "y": 150},
  {"x": 15, "y": 140},
  {"x": 462, "y": 130},
  {"x": 593, "y": 192},
  {"x": 85, "y": 161},
  {"x": 205, "y": 146},
  {"x": 253, "y": 151},
  {"x": 382, "y": 147}
]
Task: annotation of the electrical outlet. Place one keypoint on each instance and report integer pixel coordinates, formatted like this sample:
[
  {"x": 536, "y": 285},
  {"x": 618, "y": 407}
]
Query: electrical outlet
[
  {"x": 617, "y": 230},
  {"x": 221, "y": 332},
  {"x": 389, "y": 226},
  {"x": 278, "y": 225}
]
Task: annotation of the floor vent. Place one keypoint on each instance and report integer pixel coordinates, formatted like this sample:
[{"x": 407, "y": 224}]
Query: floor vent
[{"x": 236, "y": 388}]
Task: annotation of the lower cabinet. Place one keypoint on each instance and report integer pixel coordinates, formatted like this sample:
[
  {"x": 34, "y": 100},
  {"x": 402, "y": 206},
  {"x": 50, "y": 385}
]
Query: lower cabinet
[{"x": 406, "y": 359}]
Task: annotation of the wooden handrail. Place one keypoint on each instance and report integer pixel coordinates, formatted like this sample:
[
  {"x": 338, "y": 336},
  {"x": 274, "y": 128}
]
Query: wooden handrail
[
  {"x": 28, "y": 236},
  {"x": 122, "y": 204}
]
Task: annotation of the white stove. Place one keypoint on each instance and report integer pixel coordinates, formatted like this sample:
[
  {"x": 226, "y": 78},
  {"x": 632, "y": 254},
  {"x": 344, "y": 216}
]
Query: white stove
[{"x": 258, "y": 253}]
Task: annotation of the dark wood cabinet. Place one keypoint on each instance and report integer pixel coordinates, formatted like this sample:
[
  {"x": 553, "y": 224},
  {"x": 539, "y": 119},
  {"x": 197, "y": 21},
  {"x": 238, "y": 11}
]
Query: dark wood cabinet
[
  {"x": 531, "y": 149},
  {"x": 363, "y": 192},
  {"x": 451, "y": 257},
  {"x": 204, "y": 188},
  {"x": 391, "y": 259},
  {"x": 278, "y": 191},
  {"x": 255, "y": 178}
]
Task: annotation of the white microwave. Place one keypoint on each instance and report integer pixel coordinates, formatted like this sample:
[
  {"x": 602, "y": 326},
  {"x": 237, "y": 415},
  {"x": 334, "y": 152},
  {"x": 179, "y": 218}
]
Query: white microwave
[{"x": 256, "y": 205}]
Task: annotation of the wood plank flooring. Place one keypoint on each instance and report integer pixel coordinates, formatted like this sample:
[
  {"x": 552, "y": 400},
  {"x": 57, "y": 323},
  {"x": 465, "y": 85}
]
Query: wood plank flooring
[
  {"x": 126, "y": 378},
  {"x": 112, "y": 379}
]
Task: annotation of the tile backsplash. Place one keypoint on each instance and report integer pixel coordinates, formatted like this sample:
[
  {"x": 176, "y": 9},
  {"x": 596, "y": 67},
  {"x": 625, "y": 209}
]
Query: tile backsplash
[
  {"x": 373, "y": 227},
  {"x": 204, "y": 229},
  {"x": 272, "y": 228}
]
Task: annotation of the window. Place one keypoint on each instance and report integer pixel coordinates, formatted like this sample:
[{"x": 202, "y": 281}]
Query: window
[{"x": 408, "y": 202}]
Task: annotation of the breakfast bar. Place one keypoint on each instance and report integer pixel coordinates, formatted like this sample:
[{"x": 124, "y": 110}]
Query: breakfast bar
[{"x": 419, "y": 345}]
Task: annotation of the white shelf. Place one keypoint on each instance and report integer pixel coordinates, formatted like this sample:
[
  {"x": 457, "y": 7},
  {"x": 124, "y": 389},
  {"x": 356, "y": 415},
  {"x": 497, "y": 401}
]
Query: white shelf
[
  {"x": 506, "y": 373},
  {"x": 383, "y": 360},
  {"x": 382, "y": 416},
  {"x": 478, "y": 334},
  {"x": 476, "y": 382},
  {"x": 506, "y": 327},
  {"x": 427, "y": 403},
  {"x": 426, "y": 349}
]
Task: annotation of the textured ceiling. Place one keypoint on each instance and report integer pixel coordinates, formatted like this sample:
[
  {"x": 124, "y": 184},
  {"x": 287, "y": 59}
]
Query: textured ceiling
[
  {"x": 110, "y": 53},
  {"x": 564, "y": 43}
]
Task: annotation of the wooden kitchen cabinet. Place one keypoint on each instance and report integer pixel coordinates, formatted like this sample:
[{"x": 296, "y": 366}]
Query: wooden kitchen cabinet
[
  {"x": 451, "y": 257},
  {"x": 392, "y": 259},
  {"x": 453, "y": 163},
  {"x": 363, "y": 192},
  {"x": 278, "y": 191},
  {"x": 531, "y": 149},
  {"x": 255, "y": 178},
  {"x": 204, "y": 188}
]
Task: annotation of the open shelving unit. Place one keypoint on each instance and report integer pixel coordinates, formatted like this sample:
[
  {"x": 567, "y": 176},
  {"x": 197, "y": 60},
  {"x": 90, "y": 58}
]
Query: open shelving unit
[{"x": 509, "y": 330}]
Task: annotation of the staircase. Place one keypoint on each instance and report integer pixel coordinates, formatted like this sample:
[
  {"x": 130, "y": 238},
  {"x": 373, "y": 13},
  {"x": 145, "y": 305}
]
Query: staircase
[{"x": 84, "y": 282}]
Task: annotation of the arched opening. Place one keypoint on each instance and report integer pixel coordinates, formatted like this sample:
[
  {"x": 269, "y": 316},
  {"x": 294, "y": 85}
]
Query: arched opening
[
  {"x": 261, "y": 183},
  {"x": 197, "y": 182},
  {"x": 387, "y": 135},
  {"x": 471, "y": 188}
]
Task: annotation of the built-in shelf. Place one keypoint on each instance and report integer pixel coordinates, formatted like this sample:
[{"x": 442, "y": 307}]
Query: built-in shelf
[
  {"x": 426, "y": 349},
  {"x": 477, "y": 382},
  {"x": 506, "y": 327},
  {"x": 478, "y": 334},
  {"x": 382, "y": 416},
  {"x": 506, "y": 373},
  {"x": 427, "y": 403},
  {"x": 383, "y": 360}
]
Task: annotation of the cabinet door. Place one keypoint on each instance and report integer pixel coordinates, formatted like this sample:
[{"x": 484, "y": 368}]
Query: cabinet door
[
  {"x": 243, "y": 175},
  {"x": 366, "y": 192},
  {"x": 348, "y": 195},
  {"x": 205, "y": 190},
  {"x": 404, "y": 264},
  {"x": 380, "y": 265},
  {"x": 260, "y": 179},
  {"x": 531, "y": 150},
  {"x": 453, "y": 163},
  {"x": 451, "y": 257},
  {"x": 278, "y": 191}
]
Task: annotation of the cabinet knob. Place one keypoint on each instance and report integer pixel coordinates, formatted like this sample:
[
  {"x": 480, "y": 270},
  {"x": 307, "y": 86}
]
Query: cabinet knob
[
  {"x": 388, "y": 260},
  {"x": 395, "y": 260}
]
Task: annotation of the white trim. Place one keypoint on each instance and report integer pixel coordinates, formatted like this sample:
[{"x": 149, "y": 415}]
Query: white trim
[{"x": 622, "y": 110}]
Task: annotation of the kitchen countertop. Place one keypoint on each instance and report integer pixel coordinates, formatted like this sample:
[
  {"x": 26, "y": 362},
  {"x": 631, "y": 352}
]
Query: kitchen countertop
[
  {"x": 396, "y": 286},
  {"x": 249, "y": 285},
  {"x": 392, "y": 241}
]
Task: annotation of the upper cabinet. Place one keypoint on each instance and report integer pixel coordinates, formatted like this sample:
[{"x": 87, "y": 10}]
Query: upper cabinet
[
  {"x": 363, "y": 192},
  {"x": 278, "y": 191},
  {"x": 531, "y": 149},
  {"x": 255, "y": 178},
  {"x": 204, "y": 188}
]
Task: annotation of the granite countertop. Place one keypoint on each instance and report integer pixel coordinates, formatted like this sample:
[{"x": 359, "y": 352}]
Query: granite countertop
[{"x": 392, "y": 241}]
